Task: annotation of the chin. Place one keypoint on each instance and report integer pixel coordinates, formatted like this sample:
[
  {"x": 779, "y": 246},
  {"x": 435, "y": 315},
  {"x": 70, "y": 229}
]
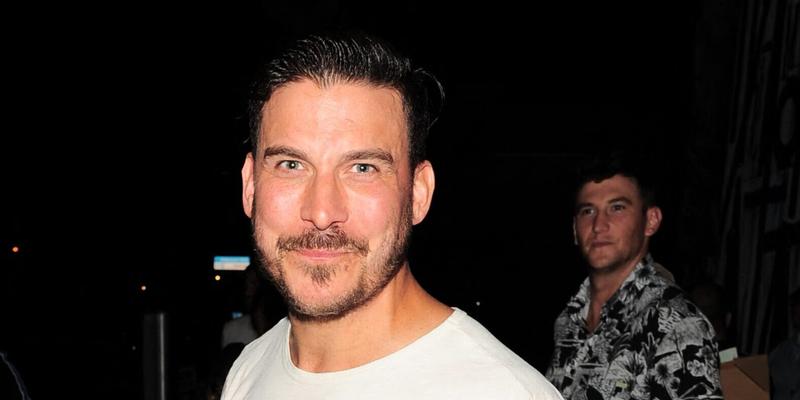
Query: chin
[
  {"x": 603, "y": 264},
  {"x": 312, "y": 302},
  {"x": 313, "y": 296},
  {"x": 322, "y": 311},
  {"x": 312, "y": 306}
]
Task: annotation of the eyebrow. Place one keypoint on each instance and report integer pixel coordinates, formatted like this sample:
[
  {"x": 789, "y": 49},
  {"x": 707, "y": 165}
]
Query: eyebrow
[
  {"x": 283, "y": 151},
  {"x": 373, "y": 154},
  {"x": 623, "y": 199}
]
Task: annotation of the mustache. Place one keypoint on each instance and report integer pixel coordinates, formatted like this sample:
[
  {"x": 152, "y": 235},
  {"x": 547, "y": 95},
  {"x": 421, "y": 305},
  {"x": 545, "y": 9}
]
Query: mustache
[{"x": 330, "y": 239}]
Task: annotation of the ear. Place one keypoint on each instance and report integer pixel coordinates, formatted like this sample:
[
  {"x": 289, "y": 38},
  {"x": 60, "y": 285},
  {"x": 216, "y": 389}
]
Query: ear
[
  {"x": 248, "y": 189},
  {"x": 575, "y": 231},
  {"x": 424, "y": 183},
  {"x": 653, "y": 216}
]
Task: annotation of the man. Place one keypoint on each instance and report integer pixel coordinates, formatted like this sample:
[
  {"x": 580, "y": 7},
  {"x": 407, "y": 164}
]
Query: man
[
  {"x": 334, "y": 183},
  {"x": 629, "y": 333}
]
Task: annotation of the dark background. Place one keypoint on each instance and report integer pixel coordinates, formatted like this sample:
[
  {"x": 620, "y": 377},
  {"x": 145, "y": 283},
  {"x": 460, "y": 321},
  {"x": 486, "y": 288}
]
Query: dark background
[{"x": 123, "y": 138}]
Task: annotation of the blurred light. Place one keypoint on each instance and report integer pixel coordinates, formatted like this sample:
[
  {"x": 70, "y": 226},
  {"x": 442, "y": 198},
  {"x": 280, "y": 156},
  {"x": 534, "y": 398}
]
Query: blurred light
[
  {"x": 143, "y": 288},
  {"x": 15, "y": 249},
  {"x": 217, "y": 278}
]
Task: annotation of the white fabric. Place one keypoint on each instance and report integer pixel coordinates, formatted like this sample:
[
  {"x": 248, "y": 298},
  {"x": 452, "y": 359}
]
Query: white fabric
[
  {"x": 238, "y": 330},
  {"x": 459, "y": 359}
]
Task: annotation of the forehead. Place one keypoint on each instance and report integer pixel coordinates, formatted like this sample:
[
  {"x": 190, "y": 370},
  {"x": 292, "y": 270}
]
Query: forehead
[
  {"x": 356, "y": 108},
  {"x": 618, "y": 186}
]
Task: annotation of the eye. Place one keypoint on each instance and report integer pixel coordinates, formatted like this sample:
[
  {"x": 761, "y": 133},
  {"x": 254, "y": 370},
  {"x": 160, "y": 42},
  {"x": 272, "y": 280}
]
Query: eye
[
  {"x": 364, "y": 168},
  {"x": 617, "y": 207},
  {"x": 585, "y": 212},
  {"x": 290, "y": 165}
]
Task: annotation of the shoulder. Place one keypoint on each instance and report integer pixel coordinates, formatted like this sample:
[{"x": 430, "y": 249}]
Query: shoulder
[
  {"x": 476, "y": 349},
  {"x": 658, "y": 297},
  {"x": 661, "y": 310},
  {"x": 673, "y": 306},
  {"x": 275, "y": 337},
  {"x": 257, "y": 356},
  {"x": 681, "y": 323}
]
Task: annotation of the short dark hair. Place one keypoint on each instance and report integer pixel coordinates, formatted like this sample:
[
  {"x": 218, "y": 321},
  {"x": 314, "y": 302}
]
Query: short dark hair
[
  {"x": 352, "y": 57},
  {"x": 629, "y": 165}
]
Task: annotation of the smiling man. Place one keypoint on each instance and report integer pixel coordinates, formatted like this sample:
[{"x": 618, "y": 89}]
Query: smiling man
[
  {"x": 334, "y": 183},
  {"x": 629, "y": 333}
]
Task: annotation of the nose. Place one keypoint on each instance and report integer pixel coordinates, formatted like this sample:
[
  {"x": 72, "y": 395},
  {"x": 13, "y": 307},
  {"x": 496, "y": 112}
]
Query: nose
[
  {"x": 324, "y": 204},
  {"x": 600, "y": 223}
]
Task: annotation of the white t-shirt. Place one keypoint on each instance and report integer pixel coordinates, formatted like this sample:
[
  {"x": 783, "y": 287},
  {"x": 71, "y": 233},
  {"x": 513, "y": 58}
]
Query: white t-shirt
[{"x": 459, "y": 359}]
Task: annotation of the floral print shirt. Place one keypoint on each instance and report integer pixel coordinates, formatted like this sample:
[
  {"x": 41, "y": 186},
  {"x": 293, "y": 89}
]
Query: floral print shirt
[{"x": 651, "y": 343}]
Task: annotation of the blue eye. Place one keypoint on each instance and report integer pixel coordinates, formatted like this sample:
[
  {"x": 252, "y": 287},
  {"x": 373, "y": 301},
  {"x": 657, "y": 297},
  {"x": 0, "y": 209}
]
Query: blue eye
[{"x": 364, "y": 168}]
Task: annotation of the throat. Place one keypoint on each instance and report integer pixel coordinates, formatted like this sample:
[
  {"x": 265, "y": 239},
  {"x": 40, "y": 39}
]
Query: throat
[{"x": 593, "y": 316}]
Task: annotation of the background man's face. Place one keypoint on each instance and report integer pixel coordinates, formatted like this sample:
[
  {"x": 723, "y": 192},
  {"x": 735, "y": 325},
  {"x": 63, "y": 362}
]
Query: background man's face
[
  {"x": 610, "y": 224},
  {"x": 329, "y": 194}
]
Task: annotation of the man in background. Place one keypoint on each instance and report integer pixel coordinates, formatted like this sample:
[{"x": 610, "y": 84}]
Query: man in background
[{"x": 628, "y": 333}]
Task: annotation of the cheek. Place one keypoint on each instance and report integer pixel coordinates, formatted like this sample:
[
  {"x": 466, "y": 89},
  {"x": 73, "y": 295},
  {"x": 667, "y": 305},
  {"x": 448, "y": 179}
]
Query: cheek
[
  {"x": 277, "y": 207},
  {"x": 583, "y": 229},
  {"x": 634, "y": 227},
  {"x": 633, "y": 231},
  {"x": 373, "y": 213}
]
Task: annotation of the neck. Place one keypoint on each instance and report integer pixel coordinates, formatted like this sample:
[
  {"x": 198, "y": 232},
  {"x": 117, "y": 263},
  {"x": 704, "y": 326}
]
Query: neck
[
  {"x": 401, "y": 313},
  {"x": 603, "y": 283}
]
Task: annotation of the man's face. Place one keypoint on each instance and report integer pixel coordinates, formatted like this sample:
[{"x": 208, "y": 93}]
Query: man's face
[
  {"x": 611, "y": 226},
  {"x": 331, "y": 195}
]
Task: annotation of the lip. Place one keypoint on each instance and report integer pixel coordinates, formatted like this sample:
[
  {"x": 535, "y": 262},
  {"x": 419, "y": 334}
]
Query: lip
[
  {"x": 600, "y": 243},
  {"x": 320, "y": 254}
]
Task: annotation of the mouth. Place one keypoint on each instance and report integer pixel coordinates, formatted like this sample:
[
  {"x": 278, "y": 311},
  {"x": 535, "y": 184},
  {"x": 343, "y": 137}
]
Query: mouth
[
  {"x": 598, "y": 244},
  {"x": 321, "y": 254}
]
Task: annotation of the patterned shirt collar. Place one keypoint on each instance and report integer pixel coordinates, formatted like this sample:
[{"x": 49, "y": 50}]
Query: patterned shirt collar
[{"x": 632, "y": 286}]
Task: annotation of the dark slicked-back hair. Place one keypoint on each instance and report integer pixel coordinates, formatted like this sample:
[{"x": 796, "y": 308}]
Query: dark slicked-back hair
[
  {"x": 629, "y": 165},
  {"x": 353, "y": 58}
]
